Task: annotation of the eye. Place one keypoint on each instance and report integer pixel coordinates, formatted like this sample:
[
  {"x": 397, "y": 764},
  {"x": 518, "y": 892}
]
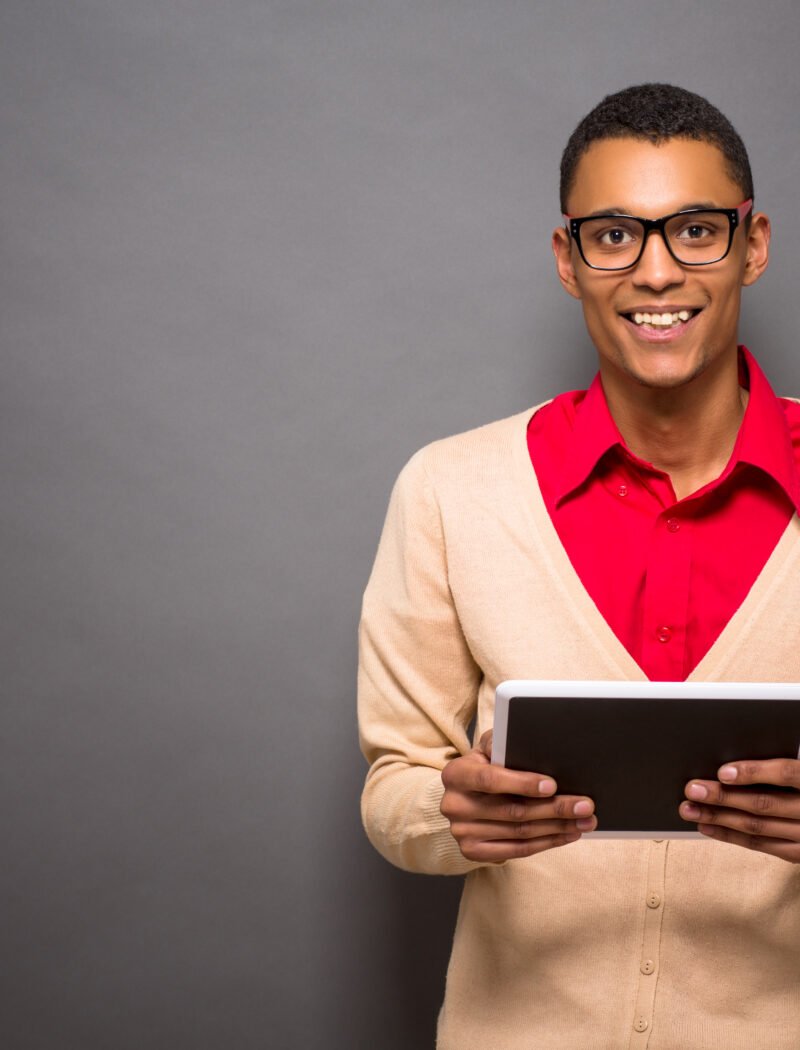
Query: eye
[
  {"x": 696, "y": 232},
  {"x": 702, "y": 226},
  {"x": 614, "y": 236}
]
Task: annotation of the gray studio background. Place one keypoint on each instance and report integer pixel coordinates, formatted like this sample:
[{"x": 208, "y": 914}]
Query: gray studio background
[{"x": 254, "y": 254}]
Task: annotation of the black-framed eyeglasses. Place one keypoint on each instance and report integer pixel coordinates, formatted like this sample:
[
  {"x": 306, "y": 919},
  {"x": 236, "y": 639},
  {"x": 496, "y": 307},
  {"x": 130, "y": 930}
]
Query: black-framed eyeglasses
[{"x": 695, "y": 237}]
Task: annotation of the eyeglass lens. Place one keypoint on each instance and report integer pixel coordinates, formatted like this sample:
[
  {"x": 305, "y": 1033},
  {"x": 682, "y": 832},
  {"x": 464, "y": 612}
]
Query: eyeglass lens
[{"x": 613, "y": 242}]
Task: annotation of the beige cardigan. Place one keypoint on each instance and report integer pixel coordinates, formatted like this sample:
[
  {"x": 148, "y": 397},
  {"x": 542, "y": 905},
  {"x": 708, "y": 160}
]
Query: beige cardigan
[{"x": 600, "y": 945}]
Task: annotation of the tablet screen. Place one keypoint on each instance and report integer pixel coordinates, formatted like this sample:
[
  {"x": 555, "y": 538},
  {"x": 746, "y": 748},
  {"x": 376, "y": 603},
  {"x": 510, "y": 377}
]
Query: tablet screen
[{"x": 633, "y": 748}]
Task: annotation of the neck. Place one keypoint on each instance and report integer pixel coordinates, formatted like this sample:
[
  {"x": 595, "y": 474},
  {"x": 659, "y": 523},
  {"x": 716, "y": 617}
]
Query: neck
[{"x": 688, "y": 431}]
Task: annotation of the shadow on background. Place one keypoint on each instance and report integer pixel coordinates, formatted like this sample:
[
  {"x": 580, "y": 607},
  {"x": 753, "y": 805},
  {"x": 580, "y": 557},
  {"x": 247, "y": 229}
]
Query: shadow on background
[
  {"x": 403, "y": 952},
  {"x": 394, "y": 930}
]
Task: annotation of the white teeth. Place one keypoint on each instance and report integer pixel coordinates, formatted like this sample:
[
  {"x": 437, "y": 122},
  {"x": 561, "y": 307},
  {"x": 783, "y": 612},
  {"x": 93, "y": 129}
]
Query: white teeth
[{"x": 662, "y": 320}]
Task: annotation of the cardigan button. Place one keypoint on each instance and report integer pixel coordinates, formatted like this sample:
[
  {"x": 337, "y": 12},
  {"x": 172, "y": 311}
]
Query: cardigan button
[
  {"x": 653, "y": 900},
  {"x": 648, "y": 966},
  {"x": 640, "y": 1024},
  {"x": 664, "y": 634}
]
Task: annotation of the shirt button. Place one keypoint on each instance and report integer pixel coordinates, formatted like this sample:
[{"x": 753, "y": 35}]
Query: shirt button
[
  {"x": 622, "y": 490},
  {"x": 673, "y": 524},
  {"x": 653, "y": 900},
  {"x": 640, "y": 1024},
  {"x": 664, "y": 634},
  {"x": 648, "y": 966}
]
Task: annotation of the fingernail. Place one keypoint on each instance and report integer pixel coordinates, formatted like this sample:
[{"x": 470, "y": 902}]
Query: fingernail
[
  {"x": 690, "y": 811},
  {"x": 547, "y": 787},
  {"x": 585, "y": 824},
  {"x": 697, "y": 792},
  {"x": 582, "y": 809},
  {"x": 728, "y": 773}
]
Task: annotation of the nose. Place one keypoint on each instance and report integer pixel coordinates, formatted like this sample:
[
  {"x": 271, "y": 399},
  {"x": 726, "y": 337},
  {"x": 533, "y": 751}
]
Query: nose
[{"x": 656, "y": 268}]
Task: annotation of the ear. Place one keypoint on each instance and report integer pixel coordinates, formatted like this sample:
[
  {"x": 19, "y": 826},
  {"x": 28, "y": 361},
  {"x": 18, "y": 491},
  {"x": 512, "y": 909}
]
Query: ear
[
  {"x": 562, "y": 249},
  {"x": 757, "y": 256}
]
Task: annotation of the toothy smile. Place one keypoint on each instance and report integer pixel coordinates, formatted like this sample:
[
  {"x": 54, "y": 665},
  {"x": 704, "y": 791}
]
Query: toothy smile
[{"x": 661, "y": 320}]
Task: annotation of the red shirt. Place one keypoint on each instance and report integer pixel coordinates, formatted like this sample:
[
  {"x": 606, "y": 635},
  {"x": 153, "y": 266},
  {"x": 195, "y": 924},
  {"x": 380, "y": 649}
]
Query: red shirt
[{"x": 666, "y": 574}]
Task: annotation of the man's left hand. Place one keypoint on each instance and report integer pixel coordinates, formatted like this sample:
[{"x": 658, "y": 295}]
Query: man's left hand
[{"x": 758, "y": 818}]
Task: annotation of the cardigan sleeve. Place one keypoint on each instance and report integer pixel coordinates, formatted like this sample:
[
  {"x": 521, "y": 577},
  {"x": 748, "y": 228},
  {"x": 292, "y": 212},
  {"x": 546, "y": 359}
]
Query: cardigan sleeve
[{"x": 417, "y": 683}]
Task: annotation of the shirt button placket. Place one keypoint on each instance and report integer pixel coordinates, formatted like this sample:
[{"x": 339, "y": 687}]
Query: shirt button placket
[{"x": 666, "y": 595}]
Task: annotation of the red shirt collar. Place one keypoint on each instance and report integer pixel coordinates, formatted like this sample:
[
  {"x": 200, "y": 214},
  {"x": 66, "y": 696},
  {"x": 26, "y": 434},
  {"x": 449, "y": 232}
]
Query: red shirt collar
[{"x": 764, "y": 440}]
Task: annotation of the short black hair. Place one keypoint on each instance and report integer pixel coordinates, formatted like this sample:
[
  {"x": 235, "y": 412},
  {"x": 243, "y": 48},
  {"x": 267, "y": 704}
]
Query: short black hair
[{"x": 656, "y": 112}]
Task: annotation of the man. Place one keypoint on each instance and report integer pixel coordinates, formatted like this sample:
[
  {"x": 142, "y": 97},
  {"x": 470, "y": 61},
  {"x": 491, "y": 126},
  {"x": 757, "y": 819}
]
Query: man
[{"x": 645, "y": 528}]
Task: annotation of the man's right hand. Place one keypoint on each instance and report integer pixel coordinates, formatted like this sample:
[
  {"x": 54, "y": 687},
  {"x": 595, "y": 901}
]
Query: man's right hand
[{"x": 499, "y": 814}]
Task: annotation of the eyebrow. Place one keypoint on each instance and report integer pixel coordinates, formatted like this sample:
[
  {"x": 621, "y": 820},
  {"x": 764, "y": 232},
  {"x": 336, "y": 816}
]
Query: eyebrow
[{"x": 616, "y": 209}]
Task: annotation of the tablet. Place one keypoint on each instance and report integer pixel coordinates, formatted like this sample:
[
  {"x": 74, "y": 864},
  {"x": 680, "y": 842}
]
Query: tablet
[{"x": 632, "y": 746}]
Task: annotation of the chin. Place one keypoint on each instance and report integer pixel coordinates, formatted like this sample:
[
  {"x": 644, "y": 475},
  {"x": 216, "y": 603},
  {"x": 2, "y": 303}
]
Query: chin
[
  {"x": 665, "y": 379},
  {"x": 666, "y": 374}
]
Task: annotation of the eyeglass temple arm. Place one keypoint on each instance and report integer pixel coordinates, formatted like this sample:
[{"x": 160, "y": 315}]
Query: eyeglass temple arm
[{"x": 744, "y": 209}]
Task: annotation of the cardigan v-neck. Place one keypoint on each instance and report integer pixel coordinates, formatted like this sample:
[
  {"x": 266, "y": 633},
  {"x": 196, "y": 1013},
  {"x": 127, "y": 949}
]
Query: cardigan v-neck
[
  {"x": 667, "y": 573},
  {"x": 712, "y": 665}
]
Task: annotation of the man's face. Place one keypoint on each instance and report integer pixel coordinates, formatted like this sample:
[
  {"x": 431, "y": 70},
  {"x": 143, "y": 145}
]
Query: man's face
[{"x": 637, "y": 178}]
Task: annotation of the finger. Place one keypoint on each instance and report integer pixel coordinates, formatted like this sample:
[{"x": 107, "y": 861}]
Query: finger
[
  {"x": 775, "y": 847},
  {"x": 488, "y": 831},
  {"x": 782, "y": 772},
  {"x": 475, "y": 773},
  {"x": 515, "y": 809},
  {"x": 498, "y": 851},
  {"x": 752, "y": 824},
  {"x": 771, "y": 801},
  {"x": 485, "y": 744}
]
